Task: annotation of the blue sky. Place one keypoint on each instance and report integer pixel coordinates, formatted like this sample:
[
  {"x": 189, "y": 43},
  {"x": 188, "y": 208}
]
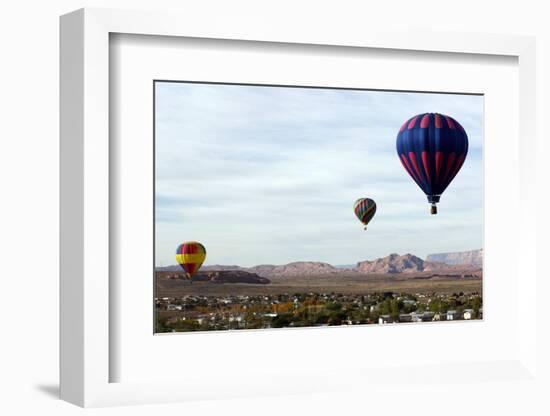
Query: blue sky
[{"x": 269, "y": 175}]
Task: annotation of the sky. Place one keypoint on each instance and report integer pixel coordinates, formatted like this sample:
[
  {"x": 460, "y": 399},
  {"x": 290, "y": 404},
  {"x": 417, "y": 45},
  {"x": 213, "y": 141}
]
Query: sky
[{"x": 269, "y": 175}]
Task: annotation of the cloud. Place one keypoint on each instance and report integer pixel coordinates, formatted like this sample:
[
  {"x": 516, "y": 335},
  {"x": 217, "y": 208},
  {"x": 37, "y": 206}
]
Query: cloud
[{"x": 270, "y": 174}]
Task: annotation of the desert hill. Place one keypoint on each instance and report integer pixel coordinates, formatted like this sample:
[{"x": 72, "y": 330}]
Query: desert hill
[
  {"x": 394, "y": 263},
  {"x": 218, "y": 276},
  {"x": 408, "y": 264},
  {"x": 473, "y": 257},
  {"x": 299, "y": 268}
]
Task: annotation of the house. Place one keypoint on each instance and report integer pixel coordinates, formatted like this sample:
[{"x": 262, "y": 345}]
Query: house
[
  {"x": 416, "y": 316},
  {"x": 452, "y": 315},
  {"x": 469, "y": 314},
  {"x": 384, "y": 319},
  {"x": 405, "y": 317},
  {"x": 238, "y": 318},
  {"x": 428, "y": 316}
]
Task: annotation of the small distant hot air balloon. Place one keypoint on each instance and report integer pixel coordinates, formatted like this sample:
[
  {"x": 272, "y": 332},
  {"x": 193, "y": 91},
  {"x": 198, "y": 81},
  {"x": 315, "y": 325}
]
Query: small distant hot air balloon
[
  {"x": 190, "y": 256},
  {"x": 364, "y": 209},
  {"x": 432, "y": 148}
]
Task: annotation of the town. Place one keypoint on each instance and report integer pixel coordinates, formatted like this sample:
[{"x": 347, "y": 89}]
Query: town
[{"x": 233, "y": 312}]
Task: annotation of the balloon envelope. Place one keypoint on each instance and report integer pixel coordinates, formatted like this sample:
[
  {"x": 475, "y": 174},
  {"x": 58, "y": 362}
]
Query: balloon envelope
[
  {"x": 364, "y": 209},
  {"x": 432, "y": 148},
  {"x": 190, "y": 256}
]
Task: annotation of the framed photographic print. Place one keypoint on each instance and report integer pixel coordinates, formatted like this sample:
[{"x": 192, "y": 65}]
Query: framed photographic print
[
  {"x": 305, "y": 212},
  {"x": 270, "y": 178}
]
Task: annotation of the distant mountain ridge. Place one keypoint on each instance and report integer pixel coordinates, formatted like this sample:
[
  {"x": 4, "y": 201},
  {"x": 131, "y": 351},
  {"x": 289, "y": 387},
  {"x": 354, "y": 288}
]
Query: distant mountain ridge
[
  {"x": 301, "y": 268},
  {"x": 215, "y": 276},
  {"x": 473, "y": 257},
  {"x": 394, "y": 263},
  {"x": 443, "y": 263},
  {"x": 409, "y": 263}
]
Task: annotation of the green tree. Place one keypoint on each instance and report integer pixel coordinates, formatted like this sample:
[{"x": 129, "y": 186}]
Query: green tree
[
  {"x": 282, "y": 320},
  {"x": 160, "y": 324},
  {"x": 386, "y": 307},
  {"x": 336, "y": 318},
  {"x": 394, "y": 309},
  {"x": 476, "y": 305},
  {"x": 334, "y": 306}
]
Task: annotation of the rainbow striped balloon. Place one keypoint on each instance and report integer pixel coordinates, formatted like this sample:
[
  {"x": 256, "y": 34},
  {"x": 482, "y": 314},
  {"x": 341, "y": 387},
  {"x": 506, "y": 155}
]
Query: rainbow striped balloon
[
  {"x": 364, "y": 209},
  {"x": 190, "y": 256}
]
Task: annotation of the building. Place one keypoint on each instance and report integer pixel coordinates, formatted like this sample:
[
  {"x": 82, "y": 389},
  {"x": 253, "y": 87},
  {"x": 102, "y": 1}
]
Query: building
[
  {"x": 469, "y": 314},
  {"x": 237, "y": 318},
  {"x": 452, "y": 315},
  {"x": 416, "y": 316},
  {"x": 405, "y": 317},
  {"x": 428, "y": 316}
]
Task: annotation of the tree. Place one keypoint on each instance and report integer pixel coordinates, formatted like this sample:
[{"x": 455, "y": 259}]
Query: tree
[
  {"x": 476, "y": 305},
  {"x": 394, "y": 308},
  {"x": 322, "y": 318},
  {"x": 334, "y": 306},
  {"x": 386, "y": 307},
  {"x": 336, "y": 318},
  {"x": 282, "y": 320},
  {"x": 185, "y": 325},
  {"x": 160, "y": 325},
  {"x": 436, "y": 306}
]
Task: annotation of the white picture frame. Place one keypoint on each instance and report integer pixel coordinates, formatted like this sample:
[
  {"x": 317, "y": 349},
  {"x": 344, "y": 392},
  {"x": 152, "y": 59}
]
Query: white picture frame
[{"x": 86, "y": 221}]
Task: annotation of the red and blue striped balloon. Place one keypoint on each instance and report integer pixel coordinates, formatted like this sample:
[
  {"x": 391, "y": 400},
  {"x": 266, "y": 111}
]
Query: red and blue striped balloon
[{"x": 432, "y": 148}]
